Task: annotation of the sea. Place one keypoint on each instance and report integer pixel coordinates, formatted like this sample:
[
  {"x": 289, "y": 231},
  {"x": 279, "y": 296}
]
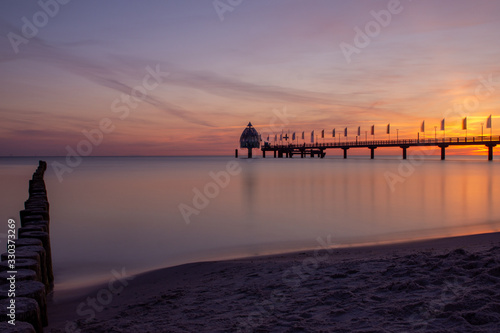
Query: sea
[{"x": 135, "y": 214}]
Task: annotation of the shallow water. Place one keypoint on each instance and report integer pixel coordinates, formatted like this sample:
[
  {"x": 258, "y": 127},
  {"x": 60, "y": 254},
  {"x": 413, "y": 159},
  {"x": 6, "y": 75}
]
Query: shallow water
[{"x": 124, "y": 212}]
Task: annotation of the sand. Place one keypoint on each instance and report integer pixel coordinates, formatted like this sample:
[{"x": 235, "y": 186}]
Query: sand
[{"x": 443, "y": 285}]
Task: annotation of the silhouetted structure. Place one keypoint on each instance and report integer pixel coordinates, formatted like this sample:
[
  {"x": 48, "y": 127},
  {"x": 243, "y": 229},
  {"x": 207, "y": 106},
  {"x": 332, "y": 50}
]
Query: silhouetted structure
[
  {"x": 319, "y": 149},
  {"x": 249, "y": 139},
  {"x": 32, "y": 267}
]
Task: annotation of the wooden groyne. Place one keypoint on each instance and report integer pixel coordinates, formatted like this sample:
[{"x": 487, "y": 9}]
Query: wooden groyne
[{"x": 26, "y": 267}]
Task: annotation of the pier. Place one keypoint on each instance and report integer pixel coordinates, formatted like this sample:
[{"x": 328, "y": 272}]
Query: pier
[{"x": 319, "y": 149}]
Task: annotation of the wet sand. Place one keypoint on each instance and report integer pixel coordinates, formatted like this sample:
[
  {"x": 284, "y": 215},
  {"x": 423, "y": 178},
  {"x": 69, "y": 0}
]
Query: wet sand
[{"x": 441, "y": 285}]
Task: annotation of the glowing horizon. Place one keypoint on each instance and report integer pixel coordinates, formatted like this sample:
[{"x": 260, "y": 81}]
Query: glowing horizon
[{"x": 198, "y": 74}]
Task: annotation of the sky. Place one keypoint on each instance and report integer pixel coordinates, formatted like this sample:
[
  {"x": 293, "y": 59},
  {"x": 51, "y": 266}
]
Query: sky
[{"x": 123, "y": 77}]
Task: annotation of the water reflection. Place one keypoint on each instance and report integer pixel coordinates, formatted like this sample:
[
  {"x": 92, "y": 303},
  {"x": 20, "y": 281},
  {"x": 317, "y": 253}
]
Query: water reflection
[{"x": 114, "y": 212}]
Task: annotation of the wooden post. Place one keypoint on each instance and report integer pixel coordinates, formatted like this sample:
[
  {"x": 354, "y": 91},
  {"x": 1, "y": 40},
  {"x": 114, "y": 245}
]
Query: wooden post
[
  {"x": 30, "y": 228},
  {"x": 23, "y": 263},
  {"x": 21, "y": 275},
  {"x": 43, "y": 224},
  {"x": 36, "y": 253},
  {"x": 30, "y": 289},
  {"x": 34, "y": 212},
  {"x": 21, "y": 326},
  {"x": 27, "y": 313},
  {"x": 44, "y": 237},
  {"x": 28, "y": 242}
]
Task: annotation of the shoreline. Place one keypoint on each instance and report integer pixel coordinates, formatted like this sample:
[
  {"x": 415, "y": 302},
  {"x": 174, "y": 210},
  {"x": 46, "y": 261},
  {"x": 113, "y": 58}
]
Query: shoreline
[
  {"x": 65, "y": 291},
  {"x": 267, "y": 292}
]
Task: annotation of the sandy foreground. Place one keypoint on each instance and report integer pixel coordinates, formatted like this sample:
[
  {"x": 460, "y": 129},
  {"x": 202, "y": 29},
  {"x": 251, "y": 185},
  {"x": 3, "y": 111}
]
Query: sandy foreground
[{"x": 443, "y": 285}]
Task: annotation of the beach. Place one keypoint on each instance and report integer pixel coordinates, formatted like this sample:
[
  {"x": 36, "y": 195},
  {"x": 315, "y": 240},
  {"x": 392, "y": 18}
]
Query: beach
[{"x": 439, "y": 285}]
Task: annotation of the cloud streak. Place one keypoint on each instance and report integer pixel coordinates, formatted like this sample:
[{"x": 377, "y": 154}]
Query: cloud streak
[{"x": 104, "y": 75}]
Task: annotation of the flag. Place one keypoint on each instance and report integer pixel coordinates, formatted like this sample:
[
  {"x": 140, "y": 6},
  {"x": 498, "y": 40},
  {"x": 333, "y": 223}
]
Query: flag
[
  {"x": 281, "y": 136},
  {"x": 323, "y": 134},
  {"x": 345, "y": 131},
  {"x": 275, "y": 137},
  {"x": 422, "y": 127},
  {"x": 359, "y": 130},
  {"x": 442, "y": 124},
  {"x": 268, "y": 137},
  {"x": 488, "y": 122},
  {"x": 464, "y": 123},
  {"x": 373, "y": 130},
  {"x": 333, "y": 133},
  {"x": 293, "y": 136},
  {"x": 388, "y": 128},
  {"x": 302, "y": 135},
  {"x": 312, "y": 137}
]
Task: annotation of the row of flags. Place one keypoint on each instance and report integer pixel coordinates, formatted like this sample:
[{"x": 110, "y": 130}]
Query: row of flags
[
  {"x": 372, "y": 130},
  {"x": 323, "y": 134},
  {"x": 464, "y": 124}
]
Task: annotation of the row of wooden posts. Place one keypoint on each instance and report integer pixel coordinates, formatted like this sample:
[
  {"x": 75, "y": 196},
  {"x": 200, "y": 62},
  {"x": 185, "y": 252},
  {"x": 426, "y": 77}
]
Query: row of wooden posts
[{"x": 34, "y": 278}]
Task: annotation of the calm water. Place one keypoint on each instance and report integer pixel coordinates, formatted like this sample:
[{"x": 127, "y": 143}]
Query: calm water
[{"x": 124, "y": 212}]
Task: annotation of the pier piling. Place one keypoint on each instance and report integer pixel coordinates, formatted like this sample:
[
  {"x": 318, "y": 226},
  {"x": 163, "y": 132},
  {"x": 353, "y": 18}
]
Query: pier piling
[
  {"x": 372, "y": 152},
  {"x": 404, "y": 151},
  {"x": 443, "y": 151},
  {"x": 345, "y": 152},
  {"x": 490, "y": 151}
]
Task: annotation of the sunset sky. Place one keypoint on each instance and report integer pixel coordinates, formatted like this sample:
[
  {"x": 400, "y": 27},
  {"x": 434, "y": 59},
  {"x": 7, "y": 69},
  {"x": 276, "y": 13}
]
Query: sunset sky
[{"x": 201, "y": 70}]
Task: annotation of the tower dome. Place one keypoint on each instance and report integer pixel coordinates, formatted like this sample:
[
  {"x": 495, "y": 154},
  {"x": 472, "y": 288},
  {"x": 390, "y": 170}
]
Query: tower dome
[{"x": 249, "y": 138}]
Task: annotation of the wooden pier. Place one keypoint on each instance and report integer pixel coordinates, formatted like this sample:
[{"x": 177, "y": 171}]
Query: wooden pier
[{"x": 319, "y": 149}]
